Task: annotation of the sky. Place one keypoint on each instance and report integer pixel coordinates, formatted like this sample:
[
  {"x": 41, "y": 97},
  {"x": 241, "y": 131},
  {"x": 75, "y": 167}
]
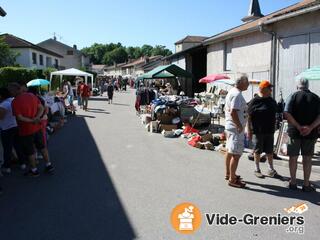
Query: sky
[{"x": 131, "y": 22}]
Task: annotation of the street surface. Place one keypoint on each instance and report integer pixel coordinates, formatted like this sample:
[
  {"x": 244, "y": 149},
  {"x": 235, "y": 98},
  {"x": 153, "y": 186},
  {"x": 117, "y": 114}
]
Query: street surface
[{"x": 114, "y": 180}]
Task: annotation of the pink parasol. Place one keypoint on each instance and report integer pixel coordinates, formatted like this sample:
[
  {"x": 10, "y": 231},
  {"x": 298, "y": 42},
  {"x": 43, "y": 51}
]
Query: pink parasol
[{"x": 213, "y": 77}]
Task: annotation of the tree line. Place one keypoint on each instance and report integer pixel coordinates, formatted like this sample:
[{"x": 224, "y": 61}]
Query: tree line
[
  {"x": 117, "y": 53},
  {"x": 7, "y": 56}
]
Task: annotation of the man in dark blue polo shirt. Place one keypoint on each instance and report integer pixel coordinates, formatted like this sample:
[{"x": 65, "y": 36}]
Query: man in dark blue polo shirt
[{"x": 302, "y": 111}]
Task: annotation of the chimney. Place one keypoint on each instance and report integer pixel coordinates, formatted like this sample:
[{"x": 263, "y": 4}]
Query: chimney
[
  {"x": 254, "y": 12},
  {"x": 55, "y": 38},
  {"x": 74, "y": 46}
]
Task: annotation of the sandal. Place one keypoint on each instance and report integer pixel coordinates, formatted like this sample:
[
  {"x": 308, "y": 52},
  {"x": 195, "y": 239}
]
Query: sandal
[
  {"x": 238, "y": 177},
  {"x": 292, "y": 186},
  {"x": 237, "y": 183},
  {"x": 309, "y": 188}
]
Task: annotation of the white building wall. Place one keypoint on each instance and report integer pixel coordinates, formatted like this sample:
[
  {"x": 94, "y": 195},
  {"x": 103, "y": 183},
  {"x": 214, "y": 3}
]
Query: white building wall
[
  {"x": 68, "y": 61},
  {"x": 25, "y": 58},
  {"x": 298, "y": 25},
  {"x": 298, "y": 49},
  {"x": 251, "y": 55},
  {"x": 38, "y": 66},
  {"x": 110, "y": 72},
  {"x": 215, "y": 58},
  {"x": 85, "y": 61},
  {"x": 180, "y": 62},
  {"x": 71, "y": 61},
  {"x": 183, "y": 46},
  {"x": 178, "y": 48}
]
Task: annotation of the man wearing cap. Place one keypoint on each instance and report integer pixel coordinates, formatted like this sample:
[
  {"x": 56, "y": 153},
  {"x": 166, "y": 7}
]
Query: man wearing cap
[
  {"x": 261, "y": 126},
  {"x": 302, "y": 110}
]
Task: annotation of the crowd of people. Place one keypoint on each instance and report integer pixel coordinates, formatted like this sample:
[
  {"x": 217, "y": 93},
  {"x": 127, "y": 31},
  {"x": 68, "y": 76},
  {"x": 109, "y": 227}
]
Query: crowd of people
[
  {"x": 28, "y": 116},
  {"x": 23, "y": 118},
  {"x": 118, "y": 84},
  {"x": 112, "y": 84},
  {"x": 256, "y": 120}
]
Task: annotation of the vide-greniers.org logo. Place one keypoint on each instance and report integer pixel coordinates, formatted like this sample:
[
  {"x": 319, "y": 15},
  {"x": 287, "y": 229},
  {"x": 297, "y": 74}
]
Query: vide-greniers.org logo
[
  {"x": 253, "y": 220},
  {"x": 186, "y": 219}
]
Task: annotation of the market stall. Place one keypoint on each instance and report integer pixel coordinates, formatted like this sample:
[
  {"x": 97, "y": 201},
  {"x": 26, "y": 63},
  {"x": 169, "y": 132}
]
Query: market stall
[
  {"x": 175, "y": 115},
  {"x": 72, "y": 72}
]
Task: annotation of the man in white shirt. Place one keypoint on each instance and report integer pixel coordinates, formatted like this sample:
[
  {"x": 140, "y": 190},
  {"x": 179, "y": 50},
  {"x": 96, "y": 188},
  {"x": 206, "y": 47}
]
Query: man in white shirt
[
  {"x": 9, "y": 131},
  {"x": 236, "y": 120}
]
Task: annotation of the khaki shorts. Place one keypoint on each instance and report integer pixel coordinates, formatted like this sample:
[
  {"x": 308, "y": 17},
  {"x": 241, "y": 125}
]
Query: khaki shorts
[
  {"x": 235, "y": 142},
  {"x": 305, "y": 145}
]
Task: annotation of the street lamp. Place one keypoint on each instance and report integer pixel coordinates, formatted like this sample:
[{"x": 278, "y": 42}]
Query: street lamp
[{"x": 2, "y": 12}]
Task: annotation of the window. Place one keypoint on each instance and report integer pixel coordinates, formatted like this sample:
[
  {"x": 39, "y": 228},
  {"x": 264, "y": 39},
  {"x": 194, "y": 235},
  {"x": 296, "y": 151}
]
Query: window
[
  {"x": 34, "y": 58},
  {"x": 48, "y": 62},
  {"x": 228, "y": 55},
  {"x": 41, "y": 59},
  {"x": 69, "y": 52},
  {"x": 56, "y": 63}
]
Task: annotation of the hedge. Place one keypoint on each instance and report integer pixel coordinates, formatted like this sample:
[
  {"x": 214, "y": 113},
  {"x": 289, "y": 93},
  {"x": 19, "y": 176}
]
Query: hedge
[{"x": 22, "y": 75}]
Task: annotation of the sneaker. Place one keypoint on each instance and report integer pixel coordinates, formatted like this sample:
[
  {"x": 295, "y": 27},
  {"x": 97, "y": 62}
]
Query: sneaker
[
  {"x": 258, "y": 174},
  {"x": 309, "y": 188},
  {"x": 272, "y": 173},
  {"x": 31, "y": 173},
  {"x": 6, "y": 170},
  {"x": 49, "y": 169}
]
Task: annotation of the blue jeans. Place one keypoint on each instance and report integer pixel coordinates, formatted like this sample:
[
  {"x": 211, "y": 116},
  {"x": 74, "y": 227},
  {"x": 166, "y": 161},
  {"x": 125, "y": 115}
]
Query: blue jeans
[{"x": 79, "y": 101}]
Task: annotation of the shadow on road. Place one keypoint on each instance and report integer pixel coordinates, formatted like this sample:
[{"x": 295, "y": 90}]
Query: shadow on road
[
  {"x": 98, "y": 99},
  {"x": 121, "y": 104},
  {"x": 84, "y": 116},
  {"x": 96, "y": 109},
  {"x": 98, "y": 112},
  {"x": 279, "y": 191},
  {"x": 78, "y": 202}
]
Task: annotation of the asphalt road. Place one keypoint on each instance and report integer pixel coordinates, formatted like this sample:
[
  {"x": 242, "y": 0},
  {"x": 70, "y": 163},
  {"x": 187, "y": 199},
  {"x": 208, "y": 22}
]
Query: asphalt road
[{"x": 114, "y": 180}]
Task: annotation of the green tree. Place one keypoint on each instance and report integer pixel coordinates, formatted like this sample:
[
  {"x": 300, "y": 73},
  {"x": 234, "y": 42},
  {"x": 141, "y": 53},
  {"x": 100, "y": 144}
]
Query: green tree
[
  {"x": 111, "y": 46},
  {"x": 7, "y": 56},
  {"x": 134, "y": 52},
  {"x": 116, "y": 52},
  {"x": 146, "y": 50},
  {"x": 118, "y": 55},
  {"x": 95, "y": 52},
  {"x": 161, "y": 50}
]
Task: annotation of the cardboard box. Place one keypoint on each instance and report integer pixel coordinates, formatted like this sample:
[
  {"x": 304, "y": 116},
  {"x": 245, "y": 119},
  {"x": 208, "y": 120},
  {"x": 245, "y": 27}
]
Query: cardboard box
[
  {"x": 168, "y": 127},
  {"x": 165, "y": 118}
]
